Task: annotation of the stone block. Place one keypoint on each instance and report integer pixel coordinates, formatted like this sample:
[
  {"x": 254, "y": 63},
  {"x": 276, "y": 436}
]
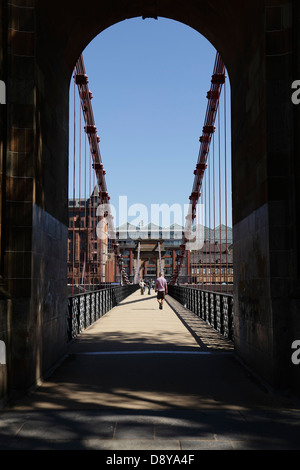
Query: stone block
[
  {"x": 21, "y": 19},
  {"x": 22, "y": 43}
]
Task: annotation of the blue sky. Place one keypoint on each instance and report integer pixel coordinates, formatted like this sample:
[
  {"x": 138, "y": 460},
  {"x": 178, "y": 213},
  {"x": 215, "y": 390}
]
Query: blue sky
[{"x": 149, "y": 80}]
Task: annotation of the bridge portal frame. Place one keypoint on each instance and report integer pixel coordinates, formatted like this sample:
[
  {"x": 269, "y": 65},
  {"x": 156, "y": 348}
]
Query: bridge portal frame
[{"x": 259, "y": 42}]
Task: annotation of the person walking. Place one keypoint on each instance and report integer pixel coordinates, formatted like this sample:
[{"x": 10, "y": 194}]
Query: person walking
[
  {"x": 142, "y": 286},
  {"x": 161, "y": 288}
]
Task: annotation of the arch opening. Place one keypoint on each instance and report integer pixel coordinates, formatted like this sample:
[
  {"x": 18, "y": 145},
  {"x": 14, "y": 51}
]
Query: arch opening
[{"x": 150, "y": 83}]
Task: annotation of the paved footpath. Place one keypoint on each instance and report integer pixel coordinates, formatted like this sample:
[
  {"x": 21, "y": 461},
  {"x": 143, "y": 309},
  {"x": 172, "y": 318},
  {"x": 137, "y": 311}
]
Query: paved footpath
[{"x": 145, "y": 379}]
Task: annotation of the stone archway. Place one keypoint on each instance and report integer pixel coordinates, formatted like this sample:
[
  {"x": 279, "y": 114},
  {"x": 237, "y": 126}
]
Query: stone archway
[{"x": 254, "y": 39}]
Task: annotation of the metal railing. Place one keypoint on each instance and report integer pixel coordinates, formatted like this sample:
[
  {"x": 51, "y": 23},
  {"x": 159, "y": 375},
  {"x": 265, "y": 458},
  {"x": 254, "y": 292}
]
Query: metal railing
[
  {"x": 84, "y": 309},
  {"x": 215, "y": 308}
]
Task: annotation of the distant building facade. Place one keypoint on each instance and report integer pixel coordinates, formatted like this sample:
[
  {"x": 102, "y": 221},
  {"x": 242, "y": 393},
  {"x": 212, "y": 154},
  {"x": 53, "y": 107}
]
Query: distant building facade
[
  {"x": 158, "y": 249},
  {"x": 212, "y": 265},
  {"x": 91, "y": 261},
  {"x": 208, "y": 266}
]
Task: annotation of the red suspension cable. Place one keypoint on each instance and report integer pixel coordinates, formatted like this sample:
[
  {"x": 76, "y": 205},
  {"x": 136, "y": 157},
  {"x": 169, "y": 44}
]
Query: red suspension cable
[
  {"x": 217, "y": 81},
  {"x": 85, "y": 94}
]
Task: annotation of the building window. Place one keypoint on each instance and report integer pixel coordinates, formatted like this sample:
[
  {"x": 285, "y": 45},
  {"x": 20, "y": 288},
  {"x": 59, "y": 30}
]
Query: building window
[{"x": 151, "y": 270}]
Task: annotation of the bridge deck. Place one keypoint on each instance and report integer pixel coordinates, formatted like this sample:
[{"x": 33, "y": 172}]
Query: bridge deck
[
  {"x": 140, "y": 357},
  {"x": 137, "y": 325},
  {"x": 142, "y": 378}
]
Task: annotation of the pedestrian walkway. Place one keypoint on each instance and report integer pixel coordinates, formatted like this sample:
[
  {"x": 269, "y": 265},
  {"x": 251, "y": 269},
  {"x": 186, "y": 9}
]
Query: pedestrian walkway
[{"x": 142, "y": 378}]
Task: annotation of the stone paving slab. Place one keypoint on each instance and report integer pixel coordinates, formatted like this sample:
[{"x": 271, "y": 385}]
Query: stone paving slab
[{"x": 178, "y": 429}]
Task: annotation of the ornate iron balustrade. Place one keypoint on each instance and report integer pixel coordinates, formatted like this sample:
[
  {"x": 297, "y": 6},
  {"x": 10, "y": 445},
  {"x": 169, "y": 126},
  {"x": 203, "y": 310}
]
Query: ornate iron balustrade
[
  {"x": 84, "y": 309},
  {"x": 215, "y": 308}
]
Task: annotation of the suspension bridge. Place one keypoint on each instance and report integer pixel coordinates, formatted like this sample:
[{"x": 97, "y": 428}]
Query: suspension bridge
[
  {"x": 87, "y": 359},
  {"x": 211, "y": 188},
  {"x": 95, "y": 258}
]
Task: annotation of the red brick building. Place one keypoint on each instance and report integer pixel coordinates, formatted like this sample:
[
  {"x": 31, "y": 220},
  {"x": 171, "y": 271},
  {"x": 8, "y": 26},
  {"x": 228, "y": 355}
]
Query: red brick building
[{"x": 91, "y": 261}]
